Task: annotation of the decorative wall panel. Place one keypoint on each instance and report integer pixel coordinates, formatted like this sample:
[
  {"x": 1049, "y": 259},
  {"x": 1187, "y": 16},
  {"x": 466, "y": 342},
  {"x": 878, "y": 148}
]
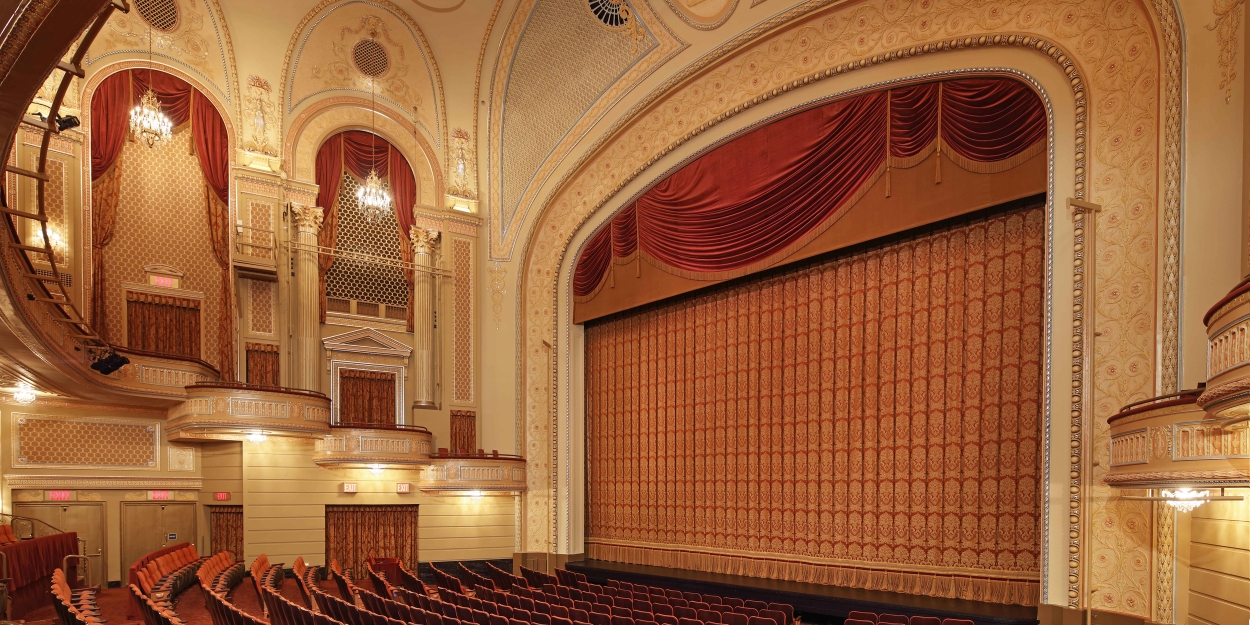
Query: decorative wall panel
[
  {"x": 462, "y": 319},
  {"x": 162, "y": 199},
  {"x": 84, "y": 443},
  {"x": 260, "y": 313},
  {"x": 869, "y": 421}
]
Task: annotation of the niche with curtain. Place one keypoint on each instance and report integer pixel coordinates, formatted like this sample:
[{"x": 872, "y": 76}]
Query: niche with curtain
[
  {"x": 353, "y": 533},
  {"x": 176, "y": 193},
  {"x": 226, "y": 529},
  {"x": 367, "y": 397}
]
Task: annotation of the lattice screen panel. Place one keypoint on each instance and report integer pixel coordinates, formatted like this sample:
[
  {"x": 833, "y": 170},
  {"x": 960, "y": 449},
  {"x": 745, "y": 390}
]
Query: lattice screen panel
[{"x": 349, "y": 279}]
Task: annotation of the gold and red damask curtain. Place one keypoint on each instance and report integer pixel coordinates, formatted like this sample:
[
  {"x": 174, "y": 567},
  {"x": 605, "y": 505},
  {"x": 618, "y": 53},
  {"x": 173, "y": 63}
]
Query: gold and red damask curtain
[
  {"x": 263, "y": 364},
  {"x": 226, "y": 529},
  {"x": 366, "y": 397},
  {"x": 463, "y": 431},
  {"x": 353, "y": 533},
  {"x": 869, "y": 421},
  {"x": 163, "y": 324}
]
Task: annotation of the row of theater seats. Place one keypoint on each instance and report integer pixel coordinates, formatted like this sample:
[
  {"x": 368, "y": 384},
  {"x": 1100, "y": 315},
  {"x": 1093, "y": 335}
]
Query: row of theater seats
[
  {"x": 872, "y": 618},
  {"x": 74, "y": 606},
  {"x": 220, "y": 573},
  {"x": 166, "y": 576},
  {"x": 154, "y": 613},
  {"x": 266, "y": 575},
  {"x": 222, "y": 613}
]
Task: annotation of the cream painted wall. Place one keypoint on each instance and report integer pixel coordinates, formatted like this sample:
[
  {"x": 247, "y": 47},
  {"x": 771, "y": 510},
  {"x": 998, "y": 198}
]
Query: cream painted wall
[
  {"x": 1219, "y": 588},
  {"x": 1211, "y": 240},
  {"x": 285, "y": 494}
]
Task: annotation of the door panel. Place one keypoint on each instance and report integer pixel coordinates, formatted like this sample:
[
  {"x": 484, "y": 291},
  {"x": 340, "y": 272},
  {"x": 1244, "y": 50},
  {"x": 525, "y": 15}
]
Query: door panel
[
  {"x": 179, "y": 519},
  {"x": 84, "y": 518},
  {"x": 140, "y": 532}
]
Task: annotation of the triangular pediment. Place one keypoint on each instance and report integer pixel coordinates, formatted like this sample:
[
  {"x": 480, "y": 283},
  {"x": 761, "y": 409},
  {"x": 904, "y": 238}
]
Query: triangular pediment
[{"x": 366, "y": 340}]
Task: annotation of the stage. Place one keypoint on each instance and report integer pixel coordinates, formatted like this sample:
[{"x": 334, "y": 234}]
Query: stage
[{"x": 825, "y": 602}]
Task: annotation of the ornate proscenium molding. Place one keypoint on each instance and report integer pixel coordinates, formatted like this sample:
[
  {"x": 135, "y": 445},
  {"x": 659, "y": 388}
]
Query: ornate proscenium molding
[
  {"x": 474, "y": 474},
  {"x": 233, "y": 411},
  {"x": 360, "y": 445}
]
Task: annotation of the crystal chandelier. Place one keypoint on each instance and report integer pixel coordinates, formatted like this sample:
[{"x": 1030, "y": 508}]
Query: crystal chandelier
[
  {"x": 147, "y": 123},
  {"x": 373, "y": 198},
  {"x": 24, "y": 394},
  {"x": 1185, "y": 499}
]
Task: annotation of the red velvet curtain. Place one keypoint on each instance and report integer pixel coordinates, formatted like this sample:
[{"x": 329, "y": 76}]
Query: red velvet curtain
[
  {"x": 109, "y": 108},
  {"x": 226, "y": 531},
  {"x": 366, "y": 397},
  {"x": 329, "y": 174},
  {"x": 353, "y": 533},
  {"x": 212, "y": 146},
  {"x": 364, "y": 151},
  {"x": 750, "y": 201},
  {"x": 463, "y": 431},
  {"x": 174, "y": 93},
  {"x": 263, "y": 365},
  {"x": 404, "y": 189},
  {"x": 163, "y": 324}
]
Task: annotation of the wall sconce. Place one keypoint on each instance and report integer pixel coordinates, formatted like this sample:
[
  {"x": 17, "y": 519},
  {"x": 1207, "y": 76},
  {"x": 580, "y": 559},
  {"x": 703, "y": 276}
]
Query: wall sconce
[{"x": 256, "y": 438}]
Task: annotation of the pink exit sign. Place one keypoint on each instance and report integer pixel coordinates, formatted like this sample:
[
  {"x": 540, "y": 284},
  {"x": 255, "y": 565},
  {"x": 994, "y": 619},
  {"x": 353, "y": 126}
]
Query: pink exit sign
[
  {"x": 59, "y": 495},
  {"x": 158, "y": 495},
  {"x": 221, "y": 496},
  {"x": 164, "y": 281}
]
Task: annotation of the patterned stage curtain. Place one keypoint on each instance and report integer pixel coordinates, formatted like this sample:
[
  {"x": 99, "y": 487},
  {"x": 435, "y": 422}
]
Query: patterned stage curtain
[
  {"x": 263, "y": 364},
  {"x": 366, "y": 397},
  {"x": 353, "y": 533},
  {"x": 226, "y": 527},
  {"x": 163, "y": 324},
  {"x": 869, "y": 421},
  {"x": 463, "y": 431}
]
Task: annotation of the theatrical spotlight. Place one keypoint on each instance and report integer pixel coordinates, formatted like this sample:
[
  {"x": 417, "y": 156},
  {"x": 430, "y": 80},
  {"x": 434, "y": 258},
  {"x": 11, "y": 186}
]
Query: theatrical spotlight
[
  {"x": 109, "y": 361},
  {"x": 67, "y": 122}
]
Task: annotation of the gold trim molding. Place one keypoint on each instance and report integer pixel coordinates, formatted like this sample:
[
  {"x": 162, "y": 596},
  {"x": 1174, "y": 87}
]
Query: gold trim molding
[{"x": 103, "y": 482}]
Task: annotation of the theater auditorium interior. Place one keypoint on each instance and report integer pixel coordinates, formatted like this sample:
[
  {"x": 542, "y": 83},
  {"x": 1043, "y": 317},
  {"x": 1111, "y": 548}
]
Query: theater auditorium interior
[{"x": 624, "y": 312}]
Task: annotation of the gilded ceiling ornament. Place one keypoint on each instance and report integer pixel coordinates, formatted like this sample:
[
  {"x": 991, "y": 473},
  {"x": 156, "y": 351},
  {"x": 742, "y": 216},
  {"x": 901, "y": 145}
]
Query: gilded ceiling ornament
[
  {"x": 498, "y": 280},
  {"x": 344, "y": 72},
  {"x": 1226, "y": 26},
  {"x": 259, "y": 113},
  {"x": 461, "y": 169},
  {"x": 185, "y": 42}
]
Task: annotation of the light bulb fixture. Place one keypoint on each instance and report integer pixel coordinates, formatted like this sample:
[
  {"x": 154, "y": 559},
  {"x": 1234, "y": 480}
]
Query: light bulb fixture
[
  {"x": 24, "y": 394},
  {"x": 1185, "y": 499},
  {"x": 256, "y": 438},
  {"x": 476, "y": 494},
  {"x": 373, "y": 198},
  {"x": 375, "y": 469},
  {"x": 147, "y": 123}
]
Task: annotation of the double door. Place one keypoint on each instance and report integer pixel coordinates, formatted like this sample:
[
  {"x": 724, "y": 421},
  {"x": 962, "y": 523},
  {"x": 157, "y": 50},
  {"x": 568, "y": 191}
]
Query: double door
[
  {"x": 85, "y": 518},
  {"x": 148, "y": 526}
]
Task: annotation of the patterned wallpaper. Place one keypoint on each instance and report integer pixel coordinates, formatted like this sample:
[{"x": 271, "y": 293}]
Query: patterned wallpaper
[
  {"x": 162, "y": 199},
  {"x": 52, "y": 442},
  {"x": 462, "y": 317}
]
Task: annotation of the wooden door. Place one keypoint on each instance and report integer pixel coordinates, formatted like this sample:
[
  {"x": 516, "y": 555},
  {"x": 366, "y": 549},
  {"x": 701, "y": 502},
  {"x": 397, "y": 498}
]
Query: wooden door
[
  {"x": 148, "y": 526},
  {"x": 87, "y": 519}
]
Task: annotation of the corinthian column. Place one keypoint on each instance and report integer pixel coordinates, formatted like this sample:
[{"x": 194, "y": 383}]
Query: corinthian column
[
  {"x": 307, "y": 303},
  {"x": 424, "y": 283}
]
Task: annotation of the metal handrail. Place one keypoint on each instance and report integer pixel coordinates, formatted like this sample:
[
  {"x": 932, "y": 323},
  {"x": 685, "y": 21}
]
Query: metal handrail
[
  {"x": 370, "y": 259},
  {"x": 86, "y": 572},
  {"x": 241, "y": 241},
  {"x": 63, "y": 309},
  {"x": 13, "y": 517}
]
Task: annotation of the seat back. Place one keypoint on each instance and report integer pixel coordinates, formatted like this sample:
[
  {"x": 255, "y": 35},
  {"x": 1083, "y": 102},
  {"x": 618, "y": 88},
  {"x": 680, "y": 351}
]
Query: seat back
[
  {"x": 898, "y": 619},
  {"x": 708, "y": 616},
  {"x": 862, "y": 616}
]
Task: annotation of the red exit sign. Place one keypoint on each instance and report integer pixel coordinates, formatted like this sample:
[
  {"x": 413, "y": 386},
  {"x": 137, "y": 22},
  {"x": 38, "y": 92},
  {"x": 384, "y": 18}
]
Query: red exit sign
[
  {"x": 158, "y": 495},
  {"x": 221, "y": 496},
  {"x": 60, "y": 495}
]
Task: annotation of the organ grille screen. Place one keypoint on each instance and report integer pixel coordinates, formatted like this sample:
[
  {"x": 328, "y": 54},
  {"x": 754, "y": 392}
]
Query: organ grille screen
[
  {"x": 367, "y": 282},
  {"x": 161, "y": 14},
  {"x": 370, "y": 57}
]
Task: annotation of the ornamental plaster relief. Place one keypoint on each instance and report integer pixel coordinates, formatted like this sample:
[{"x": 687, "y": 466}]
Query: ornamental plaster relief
[{"x": 1114, "y": 46}]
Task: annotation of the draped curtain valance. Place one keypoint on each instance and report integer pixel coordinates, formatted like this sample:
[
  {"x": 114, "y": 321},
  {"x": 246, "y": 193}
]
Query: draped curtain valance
[
  {"x": 761, "y": 196},
  {"x": 358, "y": 152}
]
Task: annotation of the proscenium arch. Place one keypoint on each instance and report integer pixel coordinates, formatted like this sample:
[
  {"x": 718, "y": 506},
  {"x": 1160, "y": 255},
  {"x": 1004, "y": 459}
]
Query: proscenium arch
[
  {"x": 330, "y": 116},
  {"x": 1121, "y": 89}
]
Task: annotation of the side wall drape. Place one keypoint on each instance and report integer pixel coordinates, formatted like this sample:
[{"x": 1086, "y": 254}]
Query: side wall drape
[
  {"x": 212, "y": 146},
  {"x": 404, "y": 188},
  {"x": 366, "y": 397},
  {"x": 869, "y": 421},
  {"x": 263, "y": 364},
  {"x": 329, "y": 174},
  {"x": 353, "y": 533},
  {"x": 463, "y": 431},
  {"x": 226, "y": 529},
  {"x": 109, "y": 108},
  {"x": 163, "y": 324},
  {"x": 746, "y": 205}
]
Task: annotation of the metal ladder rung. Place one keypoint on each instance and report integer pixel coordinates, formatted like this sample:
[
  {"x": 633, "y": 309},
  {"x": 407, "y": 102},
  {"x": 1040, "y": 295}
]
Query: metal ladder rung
[
  {"x": 43, "y": 125},
  {"x": 70, "y": 68},
  {"x": 42, "y": 278},
  {"x": 23, "y": 214},
  {"x": 49, "y": 300},
  {"x": 26, "y": 172},
  {"x": 84, "y": 336},
  {"x": 31, "y": 248},
  {"x": 73, "y": 321}
]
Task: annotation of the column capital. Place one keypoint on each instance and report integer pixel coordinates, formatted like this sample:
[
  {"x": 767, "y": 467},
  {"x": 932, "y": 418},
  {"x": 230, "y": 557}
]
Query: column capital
[
  {"x": 307, "y": 218},
  {"x": 424, "y": 240}
]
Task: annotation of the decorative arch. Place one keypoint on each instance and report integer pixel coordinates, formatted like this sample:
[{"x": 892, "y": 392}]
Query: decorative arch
[
  {"x": 1122, "y": 60},
  {"x": 330, "y": 116},
  {"x": 339, "y": 74}
]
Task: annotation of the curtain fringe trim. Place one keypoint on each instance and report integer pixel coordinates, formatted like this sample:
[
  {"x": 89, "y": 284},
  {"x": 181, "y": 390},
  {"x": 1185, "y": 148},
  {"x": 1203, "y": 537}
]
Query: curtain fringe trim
[{"x": 988, "y": 589}]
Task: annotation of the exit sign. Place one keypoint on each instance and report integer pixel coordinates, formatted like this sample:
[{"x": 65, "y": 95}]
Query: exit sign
[
  {"x": 60, "y": 495},
  {"x": 158, "y": 495},
  {"x": 349, "y": 487},
  {"x": 221, "y": 496}
]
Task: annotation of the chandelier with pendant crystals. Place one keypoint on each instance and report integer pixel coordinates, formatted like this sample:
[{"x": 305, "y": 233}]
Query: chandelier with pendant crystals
[
  {"x": 1185, "y": 499},
  {"x": 148, "y": 124},
  {"x": 373, "y": 198}
]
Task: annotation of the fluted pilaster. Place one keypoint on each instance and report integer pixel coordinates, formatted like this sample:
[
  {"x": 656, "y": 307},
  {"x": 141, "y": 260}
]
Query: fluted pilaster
[
  {"x": 424, "y": 298},
  {"x": 307, "y": 305}
]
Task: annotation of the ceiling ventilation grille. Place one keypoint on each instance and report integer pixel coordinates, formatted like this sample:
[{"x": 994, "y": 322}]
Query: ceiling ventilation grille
[
  {"x": 613, "y": 13},
  {"x": 370, "y": 58},
  {"x": 161, "y": 14}
]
